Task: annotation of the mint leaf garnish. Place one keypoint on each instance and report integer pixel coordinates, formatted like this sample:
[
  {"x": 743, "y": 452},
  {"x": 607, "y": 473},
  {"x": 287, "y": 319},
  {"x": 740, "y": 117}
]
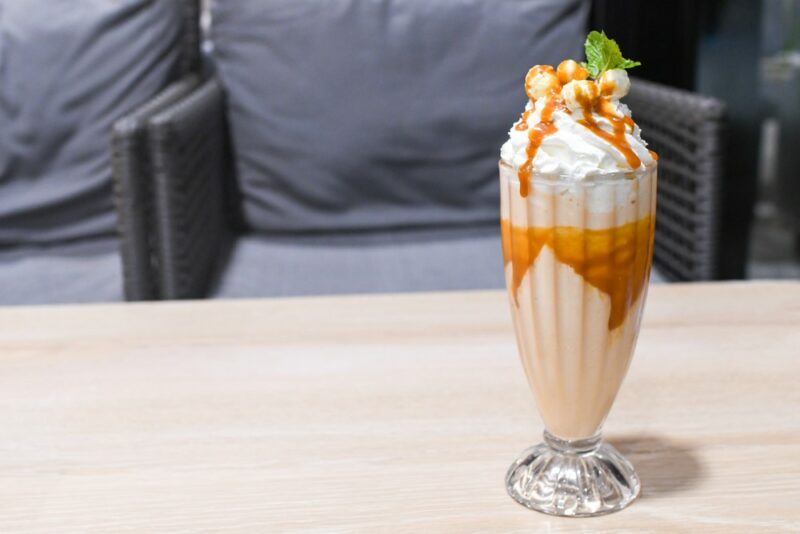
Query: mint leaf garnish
[{"x": 603, "y": 54}]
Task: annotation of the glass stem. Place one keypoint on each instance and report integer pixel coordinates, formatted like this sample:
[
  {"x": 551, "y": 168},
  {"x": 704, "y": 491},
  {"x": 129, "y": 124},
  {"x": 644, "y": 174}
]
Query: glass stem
[{"x": 572, "y": 446}]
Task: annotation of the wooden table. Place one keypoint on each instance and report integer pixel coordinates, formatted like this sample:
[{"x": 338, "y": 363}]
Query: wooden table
[{"x": 381, "y": 413}]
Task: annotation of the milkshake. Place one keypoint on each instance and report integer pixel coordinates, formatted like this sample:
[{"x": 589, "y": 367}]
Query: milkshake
[{"x": 578, "y": 194}]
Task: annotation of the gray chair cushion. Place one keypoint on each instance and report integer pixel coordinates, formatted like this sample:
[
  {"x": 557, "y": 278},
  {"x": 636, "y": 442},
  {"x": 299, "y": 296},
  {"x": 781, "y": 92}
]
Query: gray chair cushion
[
  {"x": 424, "y": 260},
  {"x": 88, "y": 271},
  {"x": 352, "y": 114},
  {"x": 67, "y": 71}
]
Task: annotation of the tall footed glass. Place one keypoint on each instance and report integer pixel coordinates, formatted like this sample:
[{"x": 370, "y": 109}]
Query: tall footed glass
[{"x": 577, "y": 264}]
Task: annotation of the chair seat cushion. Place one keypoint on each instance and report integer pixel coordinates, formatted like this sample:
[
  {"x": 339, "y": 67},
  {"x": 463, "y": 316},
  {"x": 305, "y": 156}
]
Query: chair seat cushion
[
  {"x": 396, "y": 261},
  {"x": 379, "y": 262},
  {"x": 88, "y": 271}
]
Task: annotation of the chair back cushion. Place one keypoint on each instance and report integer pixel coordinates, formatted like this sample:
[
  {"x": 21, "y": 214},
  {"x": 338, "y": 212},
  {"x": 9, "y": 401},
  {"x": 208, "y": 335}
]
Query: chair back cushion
[
  {"x": 356, "y": 114},
  {"x": 68, "y": 70}
]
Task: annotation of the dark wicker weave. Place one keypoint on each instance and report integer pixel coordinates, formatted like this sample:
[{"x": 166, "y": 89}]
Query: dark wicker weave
[
  {"x": 131, "y": 167},
  {"x": 188, "y": 143},
  {"x": 686, "y": 130},
  {"x": 132, "y": 172}
]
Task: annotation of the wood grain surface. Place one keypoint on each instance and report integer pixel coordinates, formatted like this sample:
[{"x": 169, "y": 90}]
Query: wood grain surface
[{"x": 386, "y": 413}]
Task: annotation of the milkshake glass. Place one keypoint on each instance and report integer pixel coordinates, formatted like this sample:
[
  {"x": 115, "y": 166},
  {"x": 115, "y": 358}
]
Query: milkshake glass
[{"x": 578, "y": 197}]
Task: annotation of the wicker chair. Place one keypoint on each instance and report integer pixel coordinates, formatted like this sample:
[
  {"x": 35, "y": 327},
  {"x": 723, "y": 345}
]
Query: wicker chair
[
  {"x": 132, "y": 169},
  {"x": 191, "y": 176},
  {"x": 686, "y": 130}
]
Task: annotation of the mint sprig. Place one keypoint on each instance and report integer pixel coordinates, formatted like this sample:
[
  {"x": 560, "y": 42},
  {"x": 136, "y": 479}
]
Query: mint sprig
[{"x": 603, "y": 54}]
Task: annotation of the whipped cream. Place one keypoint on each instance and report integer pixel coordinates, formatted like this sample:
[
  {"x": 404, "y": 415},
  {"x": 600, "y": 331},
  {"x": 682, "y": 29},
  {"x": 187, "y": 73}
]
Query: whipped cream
[{"x": 583, "y": 125}]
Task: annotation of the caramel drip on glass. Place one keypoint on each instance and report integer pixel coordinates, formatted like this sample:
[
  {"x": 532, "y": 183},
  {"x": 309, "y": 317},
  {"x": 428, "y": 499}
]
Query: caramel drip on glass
[
  {"x": 536, "y": 135},
  {"x": 614, "y": 260}
]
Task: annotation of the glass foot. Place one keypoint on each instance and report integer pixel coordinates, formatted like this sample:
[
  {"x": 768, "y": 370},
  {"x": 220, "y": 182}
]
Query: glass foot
[{"x": 572, "y": 478}]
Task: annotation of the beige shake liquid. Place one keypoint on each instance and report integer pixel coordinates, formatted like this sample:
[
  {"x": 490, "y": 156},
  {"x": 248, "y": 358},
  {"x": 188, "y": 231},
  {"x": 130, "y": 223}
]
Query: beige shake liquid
[{"x": 577, "y": 263}]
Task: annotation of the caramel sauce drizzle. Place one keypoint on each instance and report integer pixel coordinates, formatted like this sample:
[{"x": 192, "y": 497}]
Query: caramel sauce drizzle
[
  {"x": 614, "y": 260},
  {"x": 522, "y": 124},
  {"x": 619, "y": 124},
  {"x": 606, "y": 86},
  {"x": 536, "y": 135}
]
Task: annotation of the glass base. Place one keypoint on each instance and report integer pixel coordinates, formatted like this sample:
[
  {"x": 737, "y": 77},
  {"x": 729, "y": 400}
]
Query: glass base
[{"x": 578, "y": 478}]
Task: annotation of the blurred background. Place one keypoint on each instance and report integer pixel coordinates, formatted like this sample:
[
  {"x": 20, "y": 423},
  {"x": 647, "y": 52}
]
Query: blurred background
[
  {"x": 744, "y": 53},
  {"x": 162, "y": 149}
]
